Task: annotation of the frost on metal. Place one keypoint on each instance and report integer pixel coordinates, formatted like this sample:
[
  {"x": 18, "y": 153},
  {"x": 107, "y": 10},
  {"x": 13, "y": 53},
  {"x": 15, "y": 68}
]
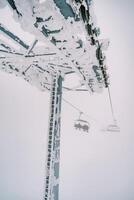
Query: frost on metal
[{"x": 68, "y": 28}]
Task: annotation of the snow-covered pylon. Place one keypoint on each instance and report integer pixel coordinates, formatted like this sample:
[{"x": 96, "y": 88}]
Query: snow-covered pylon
[
  {"x": 53, "y": 150},
  {"x": 68, "y": 30}
]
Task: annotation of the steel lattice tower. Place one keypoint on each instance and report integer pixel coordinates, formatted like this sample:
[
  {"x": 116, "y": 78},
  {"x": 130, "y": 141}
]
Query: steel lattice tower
[{"x": 72, "y": 45}]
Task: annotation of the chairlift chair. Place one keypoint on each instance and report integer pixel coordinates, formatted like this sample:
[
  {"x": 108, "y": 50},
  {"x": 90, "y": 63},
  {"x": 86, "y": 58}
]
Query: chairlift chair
[
  {"x": 113, "y": 127},
  {"x": 81, "y": 124}
]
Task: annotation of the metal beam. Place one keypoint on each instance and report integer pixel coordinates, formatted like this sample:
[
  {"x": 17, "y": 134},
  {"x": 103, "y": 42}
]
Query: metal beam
[{"x": 13, "y": 36}]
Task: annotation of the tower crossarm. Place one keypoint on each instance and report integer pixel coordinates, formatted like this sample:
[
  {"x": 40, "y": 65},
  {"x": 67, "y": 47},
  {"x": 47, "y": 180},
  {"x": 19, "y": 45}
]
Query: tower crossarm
[
  {"x": 70, "y": 29},
  {"x": 36, "y": 69}
]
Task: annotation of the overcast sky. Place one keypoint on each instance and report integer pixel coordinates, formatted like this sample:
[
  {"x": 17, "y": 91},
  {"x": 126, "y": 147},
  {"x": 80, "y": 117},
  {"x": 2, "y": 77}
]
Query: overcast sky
[{"x": 96, "y": 166}]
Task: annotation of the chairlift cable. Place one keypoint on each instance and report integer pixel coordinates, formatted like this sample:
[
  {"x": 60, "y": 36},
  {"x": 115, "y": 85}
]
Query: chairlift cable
[
  {"x": 72, "y": 105},
  {"x": 111, "y": 104},
  {"x": 80, "y": 111}
]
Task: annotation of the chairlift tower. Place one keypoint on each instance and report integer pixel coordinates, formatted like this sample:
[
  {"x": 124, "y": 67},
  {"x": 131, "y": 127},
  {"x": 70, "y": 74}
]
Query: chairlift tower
[{"x": 72, "y": 46}]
